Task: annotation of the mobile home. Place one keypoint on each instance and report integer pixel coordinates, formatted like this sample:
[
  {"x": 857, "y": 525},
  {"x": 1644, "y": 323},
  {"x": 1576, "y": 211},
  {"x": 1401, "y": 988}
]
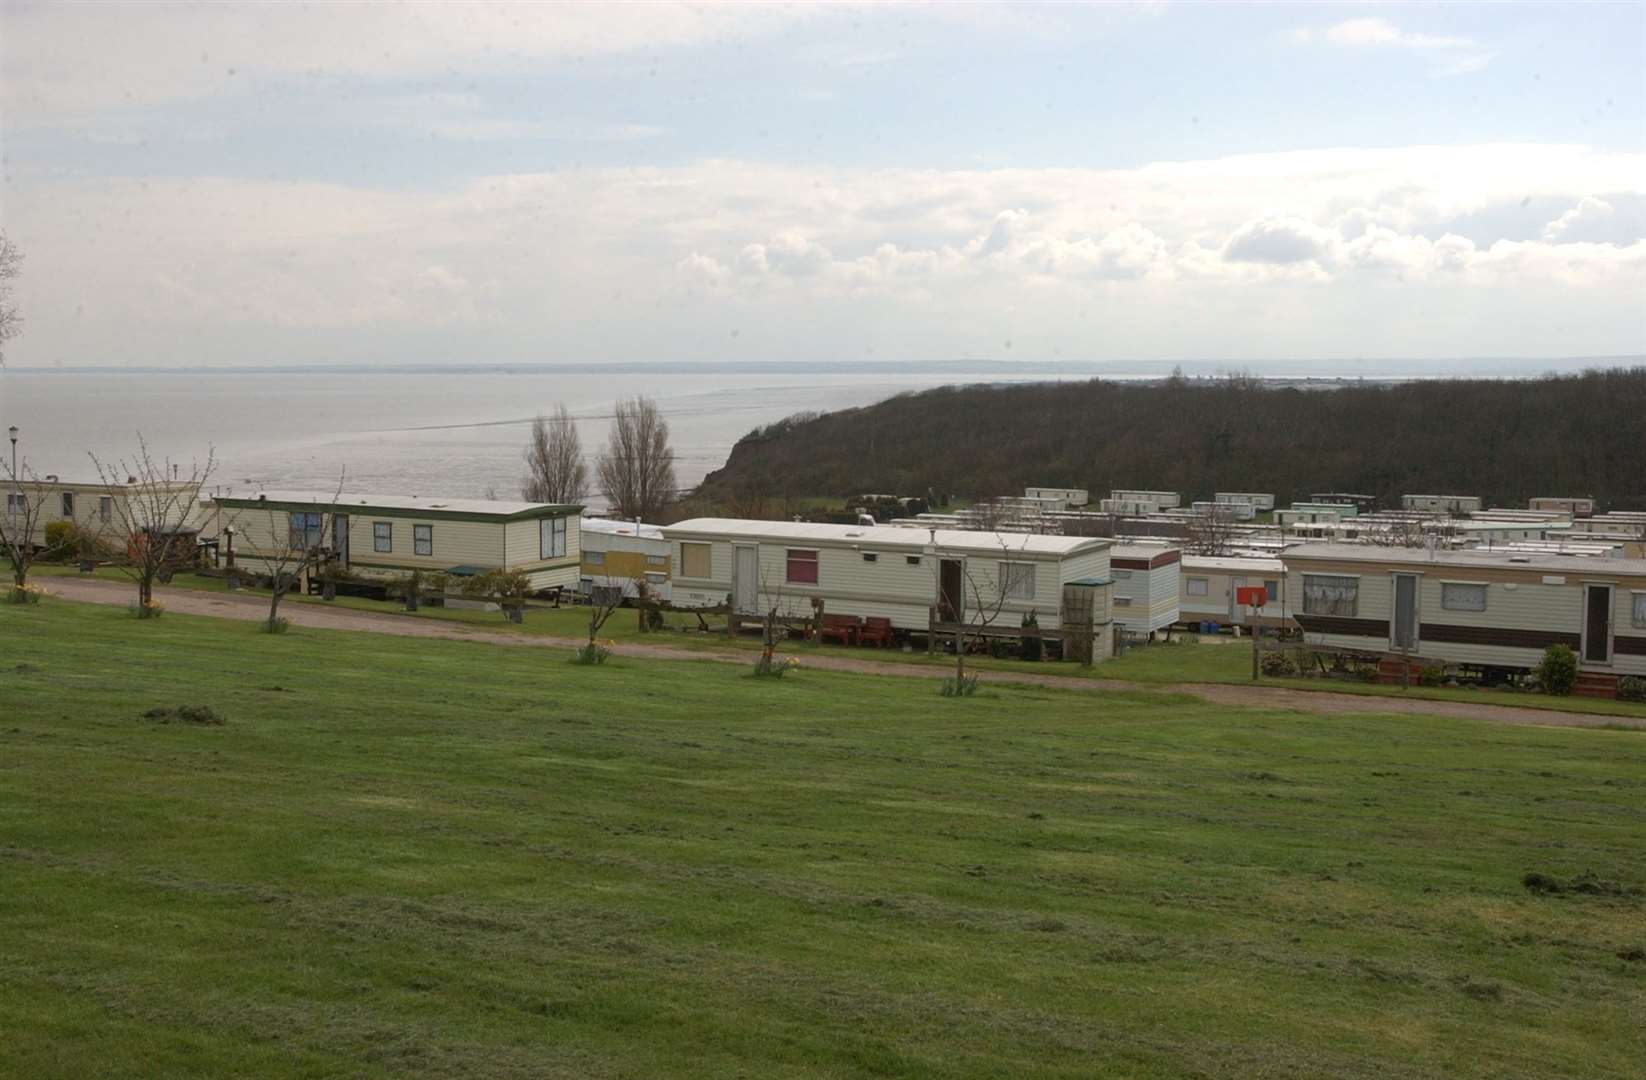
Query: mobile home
[
  {"x": 1258, "y": 500},
  {"x": 1560, "y": 504},
  {"x": 1442, "y": 504},
  {"x": 389, "y": 535},
  {"x": 1232, "y": 511},
  {"x": 1065, "y": 498},
  {"x": 1208, "y": 583},
  {"x": 1312, "y": 515},
  {"x": 99, "y": 511},
  {"x": 902, "y": 574},
  {"x": 1145, "y": 586},
  {"x": 620, "y": 555},
  {"x": 1163, "y": 500},
  {"x": 1365, "y": 504},
  {"x": 1472, "y": 607}
]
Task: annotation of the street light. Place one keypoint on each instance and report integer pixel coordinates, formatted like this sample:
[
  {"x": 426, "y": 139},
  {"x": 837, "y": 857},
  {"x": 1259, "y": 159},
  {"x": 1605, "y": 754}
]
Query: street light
[{"x": 12, "y": 503}]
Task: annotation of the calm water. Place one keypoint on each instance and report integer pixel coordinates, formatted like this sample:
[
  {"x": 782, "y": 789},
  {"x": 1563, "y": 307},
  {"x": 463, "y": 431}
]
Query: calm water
[{"x": 397, "y": 433}]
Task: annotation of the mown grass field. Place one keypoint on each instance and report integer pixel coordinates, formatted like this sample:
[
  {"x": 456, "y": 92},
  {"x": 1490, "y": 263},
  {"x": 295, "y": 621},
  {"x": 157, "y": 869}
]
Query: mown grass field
[
  {"x": 426, "y": 857},
  {"x": 1220, "y": 660}
]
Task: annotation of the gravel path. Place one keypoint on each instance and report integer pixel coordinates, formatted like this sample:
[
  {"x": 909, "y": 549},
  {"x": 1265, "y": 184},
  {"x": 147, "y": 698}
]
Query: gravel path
[{"x": 253, "y": 608}]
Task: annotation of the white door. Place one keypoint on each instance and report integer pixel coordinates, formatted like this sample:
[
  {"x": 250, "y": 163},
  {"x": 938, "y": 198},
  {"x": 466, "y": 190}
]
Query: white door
[
  {"x": 746, "y": 580},
  {"x": 1597, "y": 624},
  {"x": 1235, "y": 585}
]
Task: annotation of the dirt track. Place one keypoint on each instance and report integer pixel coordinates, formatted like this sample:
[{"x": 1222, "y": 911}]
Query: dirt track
[{"x": 253, "y": 608}]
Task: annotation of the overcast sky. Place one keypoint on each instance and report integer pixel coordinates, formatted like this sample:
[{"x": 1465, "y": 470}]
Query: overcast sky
[{"x": 278, "y": 183}]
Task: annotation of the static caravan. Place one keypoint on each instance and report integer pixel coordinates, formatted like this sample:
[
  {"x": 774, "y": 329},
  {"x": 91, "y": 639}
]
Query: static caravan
[
  {"x": 1258, "y": 500},
  {"x": 1068, "y": 498},
  {"x": 1208, "y": 584},
  {"x": 1442, "y": 504},
  {"x": 92, "y": 506},
  {"x": 1364, "y": 504},
  {"x": 1145, "y": 587},
  {"x": 389, "y": 535},
  {"x": 1233, "y": 511},
  {"x": 1311, "y": 515},
  {"x": 1472, "y": 607},
  {"x": 1165, "y": 500},
  {"x": 1561, "y": 504},
  {"x": 621, "y": 554},
  {"x": 1343, "y": 510},
  {"x": 901, "y": 574}
]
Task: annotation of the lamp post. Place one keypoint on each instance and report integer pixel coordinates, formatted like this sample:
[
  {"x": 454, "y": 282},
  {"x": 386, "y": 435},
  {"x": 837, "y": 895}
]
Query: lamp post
[{"x": 15, "y": 490}]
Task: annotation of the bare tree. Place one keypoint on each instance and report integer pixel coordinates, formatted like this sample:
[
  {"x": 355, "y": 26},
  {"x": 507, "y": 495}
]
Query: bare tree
[
  {"x": 1212, "y": 532},
  {"x": 1400, "y": 532},
  {"x": 291, "y": 546},
  {"x": 555, "y": 470},
  {"x": 25, "y": 512},
  {"x": 974, "y": 619},
  {"x": 150, "y": 510},
  {"x": 11, "y": 267},
  {"x": 637, "y": 468}
]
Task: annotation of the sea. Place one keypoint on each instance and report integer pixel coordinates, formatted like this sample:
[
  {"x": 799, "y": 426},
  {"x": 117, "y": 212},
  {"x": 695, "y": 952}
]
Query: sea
[{"x": 451, "y": 433}]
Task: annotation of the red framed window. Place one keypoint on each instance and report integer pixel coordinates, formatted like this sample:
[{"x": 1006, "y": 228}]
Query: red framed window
[{"x": 802, "y": 567}]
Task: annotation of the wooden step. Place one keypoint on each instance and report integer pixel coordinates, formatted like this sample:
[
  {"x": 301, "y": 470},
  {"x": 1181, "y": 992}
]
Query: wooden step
[{"x": 1595, "y": 684}]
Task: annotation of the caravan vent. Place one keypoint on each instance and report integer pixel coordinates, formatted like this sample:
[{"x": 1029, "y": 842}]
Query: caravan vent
[{"x": 1520, "y": 558}]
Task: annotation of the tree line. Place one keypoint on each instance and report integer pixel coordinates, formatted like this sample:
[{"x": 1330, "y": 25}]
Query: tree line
[{"x": 1504, "y": 440}]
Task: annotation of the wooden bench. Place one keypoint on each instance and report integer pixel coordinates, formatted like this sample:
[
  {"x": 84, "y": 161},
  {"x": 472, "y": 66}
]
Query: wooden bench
[
  {"x": 876, "y": 631},
  {"x": 845, "y": 627}
]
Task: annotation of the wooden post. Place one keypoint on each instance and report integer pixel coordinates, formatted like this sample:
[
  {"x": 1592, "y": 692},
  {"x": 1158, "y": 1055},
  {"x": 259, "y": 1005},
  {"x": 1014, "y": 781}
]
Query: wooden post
[{"x": 1257, "y": 636}]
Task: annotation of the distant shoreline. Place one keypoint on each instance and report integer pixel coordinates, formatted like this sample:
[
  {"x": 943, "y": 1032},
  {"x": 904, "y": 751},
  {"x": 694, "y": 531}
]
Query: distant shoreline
[{"x": 1317, "y": 371}]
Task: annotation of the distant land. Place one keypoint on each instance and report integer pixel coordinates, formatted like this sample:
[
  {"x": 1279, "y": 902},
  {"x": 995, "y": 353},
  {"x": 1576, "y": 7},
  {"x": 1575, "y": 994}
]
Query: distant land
[
  {"x": 1503, "y": 439},
  {"x": 1320, "y": 370}
]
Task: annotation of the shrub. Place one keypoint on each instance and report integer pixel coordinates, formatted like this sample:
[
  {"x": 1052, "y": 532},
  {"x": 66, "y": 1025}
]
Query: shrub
[
  {"x": 24, "y": 594},
  {"x": 277, "y": 625},
  {"x": 1631, "y": 688},
  {"x": 1558, "y": 671},
  {"x": 151, "y": 610},
  {"x": 1277, "y": 665},
  {"x": 964, "y": 687},
  {"x": 1430, "y": 675},
  {"x": 1033, "y": 648},
  {"x": 592, "y": 653},
  {"x": 62, "y": 541}
]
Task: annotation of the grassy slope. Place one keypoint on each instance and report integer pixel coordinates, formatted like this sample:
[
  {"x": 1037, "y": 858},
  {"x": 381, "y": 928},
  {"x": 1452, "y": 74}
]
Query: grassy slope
[
  {"x": 431, "y": 857},
  {"x": 1226, "y": 662}
]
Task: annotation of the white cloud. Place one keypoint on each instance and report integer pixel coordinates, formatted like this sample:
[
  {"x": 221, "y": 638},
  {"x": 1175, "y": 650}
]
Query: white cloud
[
  {"x": 654, "y": 263},
  {"x": 1448, "y": 55}
]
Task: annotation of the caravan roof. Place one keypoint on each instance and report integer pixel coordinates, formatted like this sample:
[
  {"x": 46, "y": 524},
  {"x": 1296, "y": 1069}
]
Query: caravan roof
[{"x": 889, "y": 537}]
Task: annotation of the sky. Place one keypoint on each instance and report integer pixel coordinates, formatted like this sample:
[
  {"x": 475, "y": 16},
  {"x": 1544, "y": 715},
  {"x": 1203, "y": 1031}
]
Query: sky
[{"x": 251, "y": 184}]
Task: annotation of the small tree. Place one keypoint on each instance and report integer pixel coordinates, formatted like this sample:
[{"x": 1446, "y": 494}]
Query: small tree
[
  {"x": 507, "y": 589},
  {"x": 1212, "y": 532},
  {"x": 603, "y": 603},
  {"x": 289, "y": 548},
  {"x": 25, "y": 509},
  {"x": 151, "y": 510},
  {"x": 972, "y": 624},
  {"x": 555, "y": 469},
  {"x": 11, "y": 265},
  {"x": 636, "y": 470}
]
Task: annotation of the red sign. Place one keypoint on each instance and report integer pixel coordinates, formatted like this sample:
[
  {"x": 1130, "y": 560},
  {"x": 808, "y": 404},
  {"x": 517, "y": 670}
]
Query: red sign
[{"x": 1251, "y": 596}]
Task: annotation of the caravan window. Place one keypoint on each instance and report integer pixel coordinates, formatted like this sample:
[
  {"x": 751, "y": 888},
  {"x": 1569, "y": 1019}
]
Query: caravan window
[
  {"x": 68, "y": 504},
  {"x": 422, "y": 539},
  {"x": 802, "y": 567},
  {"x": 1325, "y": 594},
  {"x": 657, "y": 560},
  {"x": 551, "y": 539},
  {"x": 1017, "y": 580},
  {"x": 305, "y": 530},
  {"x": 694, "y": 560},
  {"x": 382, "y": 536},
  {"x": 1462, "y": 596},
  {"x": 1637, "y": 611},
  {"x": 594, "y": 558},
  {"x": 1271, "y": 590},
  {"x": 1198, "y": 586},
  {"x": 105, "y": 508}
]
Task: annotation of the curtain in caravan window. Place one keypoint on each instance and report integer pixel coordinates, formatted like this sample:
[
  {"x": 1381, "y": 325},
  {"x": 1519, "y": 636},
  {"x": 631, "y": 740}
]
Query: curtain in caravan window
[
  {"x": 1457, "y": 596},
  {"x": 1328, "y": 595},
  {"x": 1017, "y": 580}
]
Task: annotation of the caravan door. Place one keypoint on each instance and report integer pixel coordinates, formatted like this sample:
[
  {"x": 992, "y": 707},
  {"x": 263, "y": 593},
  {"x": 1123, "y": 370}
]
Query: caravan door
[
  {"x": 1403, "y": 622},
  {"x": 746, "y": 579},
  {"x": 340, "y": 537},
  {"x": 1235, "y": 585},
  {"x": 1597, "y": 624}
]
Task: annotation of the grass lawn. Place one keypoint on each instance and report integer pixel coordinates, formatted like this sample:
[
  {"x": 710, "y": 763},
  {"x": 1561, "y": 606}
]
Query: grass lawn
[
  {"x": 425, "y": 857},
  {"x": 1225, "y": 660}
]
